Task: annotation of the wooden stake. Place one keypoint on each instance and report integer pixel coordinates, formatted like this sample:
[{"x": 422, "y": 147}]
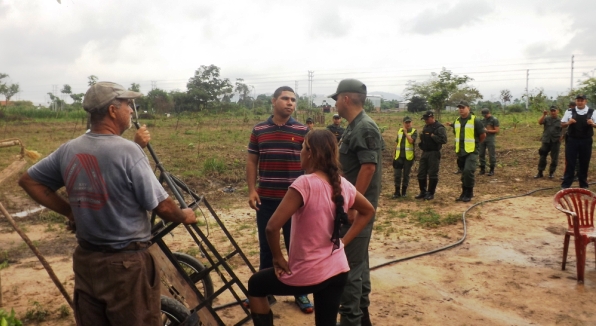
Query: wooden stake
[{"x": 39, "y": 256}]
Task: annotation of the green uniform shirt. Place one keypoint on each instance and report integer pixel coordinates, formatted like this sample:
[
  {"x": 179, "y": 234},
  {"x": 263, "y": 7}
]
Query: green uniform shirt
[
  {"x": 362, "y": 143},
  {"x": 337, "y": 131},
  {"x": 552, "y": 130},
  {"x": 493, "y": 122}
]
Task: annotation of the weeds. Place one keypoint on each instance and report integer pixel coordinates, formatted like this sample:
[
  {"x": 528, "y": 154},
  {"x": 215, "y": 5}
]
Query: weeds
[
  {"x": 430, "y": 219},
  {"x": 214, "y": 165},
  {"x": 9, "y": 319},
  {"x": 63, "y": 311},
  {"x": 37, "y": 313}
]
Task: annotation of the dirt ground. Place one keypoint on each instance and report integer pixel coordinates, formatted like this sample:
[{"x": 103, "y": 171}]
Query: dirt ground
[{"x": 506, "y": 272}]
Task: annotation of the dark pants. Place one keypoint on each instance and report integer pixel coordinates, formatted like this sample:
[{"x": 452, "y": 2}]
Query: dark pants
[
  {"x": 266, "y": 210},
  {"x": 401, "y": 171},
  {"x": 545, "y": 149},
  {"x": 116, "y": 288},
  {"x": 325, "y": 294},
  {"x": 429, "y": 165},
  {"x": 357, "y": 290},
  {"x": 492, "y": 154},
  {"x": 467, "y": 164},
  {"x": 577, "y": 148}
]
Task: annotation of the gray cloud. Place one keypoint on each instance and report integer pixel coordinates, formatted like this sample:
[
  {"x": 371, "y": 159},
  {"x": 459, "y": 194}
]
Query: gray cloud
[
  {"x": 329, "y": 25},
  {"x": 443, "y": 17}
]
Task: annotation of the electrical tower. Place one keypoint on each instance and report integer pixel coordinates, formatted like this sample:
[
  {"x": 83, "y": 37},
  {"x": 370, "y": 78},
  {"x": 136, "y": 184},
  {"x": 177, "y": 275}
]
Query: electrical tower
[{"x": 311, "y": 75}]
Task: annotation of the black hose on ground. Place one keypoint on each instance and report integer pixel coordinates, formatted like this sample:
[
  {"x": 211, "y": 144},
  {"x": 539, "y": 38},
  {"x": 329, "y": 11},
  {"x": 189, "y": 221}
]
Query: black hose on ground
[{"x": 460, "y": 241}]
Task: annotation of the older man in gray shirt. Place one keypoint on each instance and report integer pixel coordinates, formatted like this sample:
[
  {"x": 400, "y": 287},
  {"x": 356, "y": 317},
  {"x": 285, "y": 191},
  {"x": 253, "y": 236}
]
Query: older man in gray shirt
[{"x": 110, "y": 187}]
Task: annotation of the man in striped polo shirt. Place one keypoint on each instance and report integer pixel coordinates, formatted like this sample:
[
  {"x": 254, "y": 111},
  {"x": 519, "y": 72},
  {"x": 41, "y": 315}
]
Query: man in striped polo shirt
[{"x": 274, "y": 151}]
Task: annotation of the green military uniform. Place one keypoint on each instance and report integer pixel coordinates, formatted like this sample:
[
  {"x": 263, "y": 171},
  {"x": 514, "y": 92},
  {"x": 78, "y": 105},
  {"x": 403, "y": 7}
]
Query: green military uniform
[
  {"x": 467, "y": 152},
  {"x": 361, "y": 144},
  {"x": 488, "y": 143},
  {"x": 432, "y": 138},
  {"x": 403, "y": 160},
  {"x": 337, "y": 131},
  {"x": 551, "y": 143}
]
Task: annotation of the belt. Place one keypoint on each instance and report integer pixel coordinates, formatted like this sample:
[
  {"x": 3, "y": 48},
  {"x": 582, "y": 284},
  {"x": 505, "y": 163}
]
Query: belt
[{"x": 133, "y": 246}]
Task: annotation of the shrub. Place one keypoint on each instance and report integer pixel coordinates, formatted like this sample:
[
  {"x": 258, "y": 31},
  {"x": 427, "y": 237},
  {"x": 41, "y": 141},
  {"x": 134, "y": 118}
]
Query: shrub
[{"x": 7, "y": 319}]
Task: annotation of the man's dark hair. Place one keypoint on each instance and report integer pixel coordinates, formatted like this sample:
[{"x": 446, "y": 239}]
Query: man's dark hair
[
  {"x": 278, "y": 91},
  {"x": 357, "y": 98},
  {"x": 97, "y": 115}
]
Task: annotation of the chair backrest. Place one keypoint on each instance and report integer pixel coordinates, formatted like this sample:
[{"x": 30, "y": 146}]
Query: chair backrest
[{"x": 576, "y": 201}]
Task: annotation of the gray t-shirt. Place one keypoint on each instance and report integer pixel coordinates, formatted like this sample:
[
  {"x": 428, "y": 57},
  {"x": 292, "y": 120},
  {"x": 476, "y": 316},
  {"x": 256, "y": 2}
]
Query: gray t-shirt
[{"x": 110, "y": 187}]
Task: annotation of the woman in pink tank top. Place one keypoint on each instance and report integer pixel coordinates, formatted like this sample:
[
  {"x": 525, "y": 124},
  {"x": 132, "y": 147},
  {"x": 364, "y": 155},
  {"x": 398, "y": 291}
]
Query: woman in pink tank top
[{"x": 317, "y": 202}]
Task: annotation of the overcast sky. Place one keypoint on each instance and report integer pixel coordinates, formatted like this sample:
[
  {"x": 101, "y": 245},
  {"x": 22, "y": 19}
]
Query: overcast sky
[{"x": 271, "y": 43}]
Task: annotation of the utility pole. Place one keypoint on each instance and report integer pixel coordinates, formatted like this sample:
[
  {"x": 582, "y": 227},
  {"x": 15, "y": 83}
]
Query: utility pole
[
  {"x": 153, "y": 84},
  {"x": 311, "y": 75},
  {"x": 296, "y": 88},
  {"x": 527, "y": 95},
  {"x": 572, "y": 72}
]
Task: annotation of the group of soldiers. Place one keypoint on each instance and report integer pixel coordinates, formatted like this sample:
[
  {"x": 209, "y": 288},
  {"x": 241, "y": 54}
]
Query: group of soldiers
[{"x": 475, "y": 136}]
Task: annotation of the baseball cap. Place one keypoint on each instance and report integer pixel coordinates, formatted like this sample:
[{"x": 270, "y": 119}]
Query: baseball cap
[
  {"x": 463, "y": 103},
  {"x": 349, "y": 86},
  {"x": 553, "y": 108},
  {"x": 100, "y": 94},
  {"x": 309, "y": 120},
  {"x": 484, "y": 111},
  {"x": 336, "y": 116},
  {"x": 580, "y": 96},
  {"x": 427, "y": 114},
  {"x": 407, "y": 119}
]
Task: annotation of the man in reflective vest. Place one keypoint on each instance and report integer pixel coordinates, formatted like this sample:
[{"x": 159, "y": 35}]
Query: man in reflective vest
[
  {"x": 469, "y": 132},
  {"x": 403, "y": 159}
]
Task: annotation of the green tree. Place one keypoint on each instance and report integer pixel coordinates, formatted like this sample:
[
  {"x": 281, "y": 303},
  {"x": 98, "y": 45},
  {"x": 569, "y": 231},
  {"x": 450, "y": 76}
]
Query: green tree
[
  {"x": 588, "y": 88},
  {"x": 389, "y": 105},
  {"x": 159, "y": 101},
  {"x": 538, "y": 101},
  {"x": 77, "y": 98},
  {"x": 206, "y": 86},
  {"x": 243, "y": 91},
  {"x": 369, "y": 106},
  {"x": 440, "y": 88},
  {"x": 10, "y": 91},
  {"x": 92, "y": 80},
  {"x": 505, "y": 97},
  {"x": 417, "y": 104},
  {"x": 2, "y": 85},
  {"x": 135, "y": 87}
]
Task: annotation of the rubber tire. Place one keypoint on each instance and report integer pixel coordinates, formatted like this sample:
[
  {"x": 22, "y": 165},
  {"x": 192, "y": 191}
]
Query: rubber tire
[
  {"x": 175, "y": 311},
  {"x": 193, "y": 263}
]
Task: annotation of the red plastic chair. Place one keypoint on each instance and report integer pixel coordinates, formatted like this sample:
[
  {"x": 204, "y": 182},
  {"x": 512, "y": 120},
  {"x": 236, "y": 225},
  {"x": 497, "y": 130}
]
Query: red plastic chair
[{"x": 578, "y": 204}]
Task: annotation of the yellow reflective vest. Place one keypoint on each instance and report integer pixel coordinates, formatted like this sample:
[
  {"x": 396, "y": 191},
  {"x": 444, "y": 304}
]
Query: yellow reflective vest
[
  {"x": 469, "y": 140},
  {"x": 408, "y": 148}
]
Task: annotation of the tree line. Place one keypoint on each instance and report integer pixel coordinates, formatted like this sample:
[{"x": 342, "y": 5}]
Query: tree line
[{"x": 447, "y": 89}]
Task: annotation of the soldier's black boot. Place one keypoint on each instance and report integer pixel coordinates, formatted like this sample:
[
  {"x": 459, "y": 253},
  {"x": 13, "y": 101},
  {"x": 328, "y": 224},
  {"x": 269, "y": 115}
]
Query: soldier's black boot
[
  {"x": 365, "y": 320},
  {"x": 396, "y": 194},
  {"x": 539, "y": 175},
  {"x": 468, "y": 194},
  {"x": 482, "y": 170},
  {"x": 403, "y": 191},
  {"x": 491, "y": 172},
  {"x": 262, "y": 319},
  {"x": 551, "y": 174},
  {"x": 432, "y": 186},
  {"x": 458, "y": 171},
  {"x": 422, "y": 185},
  {"x": 463, "y": 192}
]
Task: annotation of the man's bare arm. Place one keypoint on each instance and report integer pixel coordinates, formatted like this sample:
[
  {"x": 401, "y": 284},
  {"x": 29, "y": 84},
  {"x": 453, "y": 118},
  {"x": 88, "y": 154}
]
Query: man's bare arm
[
  {"x": 252, "y": 163},
  {"x": 169, "y": 211},
  {"x": 45, "y": 196}
]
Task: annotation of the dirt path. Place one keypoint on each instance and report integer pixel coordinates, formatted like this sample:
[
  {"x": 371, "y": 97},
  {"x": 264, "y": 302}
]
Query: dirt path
[{"x": 507, "y": 272}]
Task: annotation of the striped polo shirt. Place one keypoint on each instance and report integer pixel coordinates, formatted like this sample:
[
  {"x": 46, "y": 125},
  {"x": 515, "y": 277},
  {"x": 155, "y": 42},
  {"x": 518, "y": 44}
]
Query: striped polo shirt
[{"x": 279, "y": 149}]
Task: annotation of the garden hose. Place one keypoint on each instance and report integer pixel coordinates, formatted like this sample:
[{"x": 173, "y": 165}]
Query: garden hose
[{"x": 460, "y": 241}]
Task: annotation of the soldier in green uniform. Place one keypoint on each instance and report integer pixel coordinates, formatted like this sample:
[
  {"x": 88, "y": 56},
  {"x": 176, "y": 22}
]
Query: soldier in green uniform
[
  {"x": 336, "y": 127},
  {"x": 491, "y": 126},
  {"x": 403, "y": 158},
  {"x": 361, "y": 161},
  {"x": 551, "y": 141},
  {"x": 432, "y": 138},
  {"x": 469, "y": 132}
]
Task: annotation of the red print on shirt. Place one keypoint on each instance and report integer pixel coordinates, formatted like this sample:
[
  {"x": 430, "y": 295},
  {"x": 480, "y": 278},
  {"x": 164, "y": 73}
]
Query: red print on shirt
[{"x": 85, "y": 190}]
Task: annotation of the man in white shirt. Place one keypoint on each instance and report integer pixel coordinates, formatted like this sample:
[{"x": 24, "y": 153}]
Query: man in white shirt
[{"x": 581, "y": 123}]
